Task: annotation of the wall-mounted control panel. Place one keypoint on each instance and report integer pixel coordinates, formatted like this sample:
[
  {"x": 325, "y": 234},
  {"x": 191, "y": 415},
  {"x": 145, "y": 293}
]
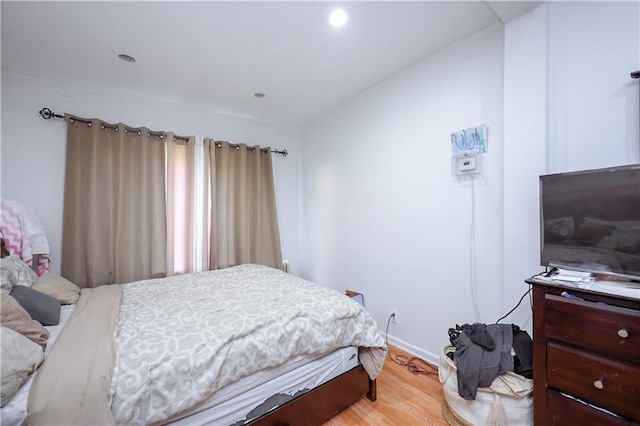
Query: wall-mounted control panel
[{"x": 467, "y": 166}]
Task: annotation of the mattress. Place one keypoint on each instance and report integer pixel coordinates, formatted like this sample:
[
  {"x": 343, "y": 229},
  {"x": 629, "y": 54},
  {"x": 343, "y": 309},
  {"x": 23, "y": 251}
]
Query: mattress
[
  {"x": 234, "y": 404},
  {"x": 259, "y": 393}
]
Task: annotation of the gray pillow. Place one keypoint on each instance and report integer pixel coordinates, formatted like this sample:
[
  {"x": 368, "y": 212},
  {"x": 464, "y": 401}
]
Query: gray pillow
[{"x": 42, "y": 308}]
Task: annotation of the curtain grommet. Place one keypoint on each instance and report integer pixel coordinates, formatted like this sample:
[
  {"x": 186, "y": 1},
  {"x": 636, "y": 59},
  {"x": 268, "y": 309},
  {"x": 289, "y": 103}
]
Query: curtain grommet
[
  {"x": 89, "y": 124},
  {"x": 71, "y": 120}
]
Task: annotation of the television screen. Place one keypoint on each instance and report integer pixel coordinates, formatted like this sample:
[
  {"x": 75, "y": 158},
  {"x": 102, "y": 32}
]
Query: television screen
[{"x": 590, "y": 221}]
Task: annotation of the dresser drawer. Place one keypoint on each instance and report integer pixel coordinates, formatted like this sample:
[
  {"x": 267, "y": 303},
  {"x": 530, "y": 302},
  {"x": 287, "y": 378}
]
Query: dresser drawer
[
  {"x": 610, "y": 330},
  {"x": 565, "y": 411},
  {"x": 609, "y": 384}
]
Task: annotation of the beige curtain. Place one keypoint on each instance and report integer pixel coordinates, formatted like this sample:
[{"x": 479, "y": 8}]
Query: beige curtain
[
  {"x": 114, "y": 225},
  {"x": 184, "y": 194},
  {"x": 243, "y": 220}
]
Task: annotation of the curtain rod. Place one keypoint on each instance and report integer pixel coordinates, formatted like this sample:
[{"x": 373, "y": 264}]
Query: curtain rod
[{"x": 47, "y": 114}]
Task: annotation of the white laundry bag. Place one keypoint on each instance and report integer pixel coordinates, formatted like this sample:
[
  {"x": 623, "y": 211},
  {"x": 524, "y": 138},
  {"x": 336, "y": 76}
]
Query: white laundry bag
[{"x": 507, "y": 402}]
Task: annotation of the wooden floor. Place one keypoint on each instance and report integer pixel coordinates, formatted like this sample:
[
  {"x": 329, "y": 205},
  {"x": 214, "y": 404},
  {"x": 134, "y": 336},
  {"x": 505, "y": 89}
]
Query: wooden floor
[{"x": 404, "y": 398}]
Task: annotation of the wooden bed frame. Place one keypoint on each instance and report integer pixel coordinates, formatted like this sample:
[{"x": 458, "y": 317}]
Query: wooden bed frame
[{"x": 322, "y": 403}]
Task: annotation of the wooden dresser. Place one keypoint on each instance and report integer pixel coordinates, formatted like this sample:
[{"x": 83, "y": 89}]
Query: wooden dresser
[{"x": 586, "y": 357}]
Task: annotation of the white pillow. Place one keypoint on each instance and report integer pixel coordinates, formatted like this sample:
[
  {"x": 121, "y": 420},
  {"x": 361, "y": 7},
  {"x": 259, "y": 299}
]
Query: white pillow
[
  {"x": 20, "y": 357},
  {"x": 16, "y": 272}
]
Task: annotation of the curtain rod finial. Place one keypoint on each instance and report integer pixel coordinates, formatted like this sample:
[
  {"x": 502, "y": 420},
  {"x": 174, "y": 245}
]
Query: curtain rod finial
[{"x": 46, "y": 113}]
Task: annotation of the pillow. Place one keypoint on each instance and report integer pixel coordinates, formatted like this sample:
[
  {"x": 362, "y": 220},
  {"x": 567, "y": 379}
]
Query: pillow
[
  {"x": 58, "y": 287},
  {"x": 20, "y": 357},
  {"x": 16, "y": 272},
  {"x": 14, "y": 316},
  {"x": 42, "y": 308}
]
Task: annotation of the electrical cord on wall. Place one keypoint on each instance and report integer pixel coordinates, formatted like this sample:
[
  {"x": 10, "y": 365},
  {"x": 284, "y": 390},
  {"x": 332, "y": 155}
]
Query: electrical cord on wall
[
  {"x": 472, "y": 252},
  {"x": 516, "y": 307},
  {"x": 410, "y": 363}
]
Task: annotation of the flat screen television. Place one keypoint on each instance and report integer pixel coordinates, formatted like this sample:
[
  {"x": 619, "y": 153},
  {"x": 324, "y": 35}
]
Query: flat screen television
[{"x": 590, "y": 221}]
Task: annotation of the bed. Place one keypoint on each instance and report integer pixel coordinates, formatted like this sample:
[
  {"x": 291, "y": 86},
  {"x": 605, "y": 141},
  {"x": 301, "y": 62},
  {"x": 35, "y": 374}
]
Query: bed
[{"x": 243, "y": 345}]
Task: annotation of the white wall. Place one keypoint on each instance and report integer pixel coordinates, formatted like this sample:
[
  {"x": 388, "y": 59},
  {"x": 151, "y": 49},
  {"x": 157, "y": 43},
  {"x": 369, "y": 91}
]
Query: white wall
[
  {"x": 525, "y": 133},
  {"x": 593, "y": 102},
  {"x": 381, "y": 211},
  {"x": 33, "y": 149}
]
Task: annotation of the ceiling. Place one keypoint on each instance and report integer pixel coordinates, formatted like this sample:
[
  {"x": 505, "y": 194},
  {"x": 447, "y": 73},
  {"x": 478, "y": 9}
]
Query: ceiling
[{"x": 217, "y": 55}]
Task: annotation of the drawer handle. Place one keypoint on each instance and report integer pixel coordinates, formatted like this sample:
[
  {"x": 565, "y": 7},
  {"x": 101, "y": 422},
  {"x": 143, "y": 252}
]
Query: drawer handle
[
  {"x": 623, "y": 333},
  {"x": 598, "y": 384}
]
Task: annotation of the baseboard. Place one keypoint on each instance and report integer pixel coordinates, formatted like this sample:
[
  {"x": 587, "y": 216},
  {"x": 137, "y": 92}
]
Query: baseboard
[{"x": 431, "y": 358}]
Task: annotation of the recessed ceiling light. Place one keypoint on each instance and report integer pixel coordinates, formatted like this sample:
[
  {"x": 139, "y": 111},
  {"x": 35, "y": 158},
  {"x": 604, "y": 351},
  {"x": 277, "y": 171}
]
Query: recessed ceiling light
[
  {"x": 259, "y": 95},
  {"x": 338, "y": 18},
  {"x": 127, "y": 58}
]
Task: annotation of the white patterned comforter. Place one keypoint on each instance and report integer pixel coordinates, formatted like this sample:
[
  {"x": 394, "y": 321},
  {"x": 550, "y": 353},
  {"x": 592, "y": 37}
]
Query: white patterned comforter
[{"x": 181, "y": 338}]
